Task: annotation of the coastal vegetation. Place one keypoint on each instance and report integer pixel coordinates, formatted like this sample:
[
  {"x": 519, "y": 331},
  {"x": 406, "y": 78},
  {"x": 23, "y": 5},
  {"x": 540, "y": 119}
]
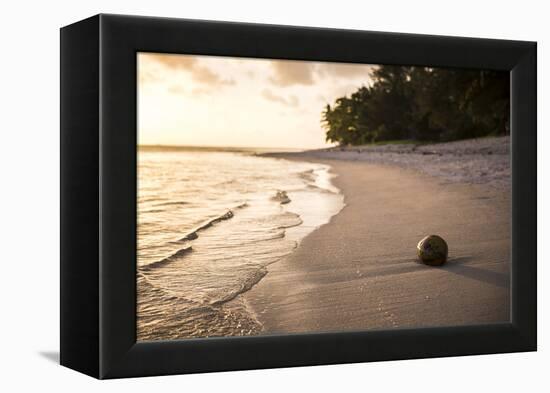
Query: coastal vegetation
[{"x": 421, "y": 104}]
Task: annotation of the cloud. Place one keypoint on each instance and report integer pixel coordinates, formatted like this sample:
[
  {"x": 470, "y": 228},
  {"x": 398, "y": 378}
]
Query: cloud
[
  {"x": 344, "y": 70},
  {"x": 207, "y": 76},
  {"x": 288, "y": 73},
  {"x": 176, "y": 62},
  {"x": 270, "y": 96},
  {"x": 190, "y": 64},
  {"x": 344, "y": 89}
]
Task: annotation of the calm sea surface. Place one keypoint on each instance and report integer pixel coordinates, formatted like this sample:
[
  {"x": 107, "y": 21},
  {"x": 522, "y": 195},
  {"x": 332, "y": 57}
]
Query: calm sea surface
[{"x": 209, "y": 225}]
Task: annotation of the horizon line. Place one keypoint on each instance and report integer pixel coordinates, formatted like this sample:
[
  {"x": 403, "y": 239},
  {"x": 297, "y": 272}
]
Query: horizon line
[{"x": 224, "y": 147}]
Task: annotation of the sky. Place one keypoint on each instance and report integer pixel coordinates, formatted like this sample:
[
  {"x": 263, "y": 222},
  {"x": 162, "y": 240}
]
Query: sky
[{"x": 189, "y": 100}]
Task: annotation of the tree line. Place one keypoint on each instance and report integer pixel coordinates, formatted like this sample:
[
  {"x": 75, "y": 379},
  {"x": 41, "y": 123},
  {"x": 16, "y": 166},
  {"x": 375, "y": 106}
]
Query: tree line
[{"x": 421, "y": 104}]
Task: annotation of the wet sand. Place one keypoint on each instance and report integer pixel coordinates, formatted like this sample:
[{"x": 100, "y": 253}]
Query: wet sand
[{"x": 360, "y": 271}]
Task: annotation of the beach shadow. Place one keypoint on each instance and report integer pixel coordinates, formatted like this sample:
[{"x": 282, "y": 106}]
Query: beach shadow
[
  {"x": 454, "y": 265},
  {"x": 458, "y": 261},
  {"x": 457, "y": 266},
  {"x": 52, "y": 356}
]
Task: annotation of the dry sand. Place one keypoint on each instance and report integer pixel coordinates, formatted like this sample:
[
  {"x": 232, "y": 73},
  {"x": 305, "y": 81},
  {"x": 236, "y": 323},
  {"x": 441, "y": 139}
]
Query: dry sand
[
  {"x": 360, "y": 271},
  {"x": 474, "y": 161}
]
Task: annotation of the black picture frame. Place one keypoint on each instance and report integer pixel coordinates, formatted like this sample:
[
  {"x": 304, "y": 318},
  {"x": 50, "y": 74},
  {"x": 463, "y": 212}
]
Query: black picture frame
[{"x": 98, "y": 195}]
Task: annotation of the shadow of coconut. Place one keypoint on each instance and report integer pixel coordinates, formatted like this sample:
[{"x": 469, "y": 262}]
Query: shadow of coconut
[{"x": 458, "y": 266}]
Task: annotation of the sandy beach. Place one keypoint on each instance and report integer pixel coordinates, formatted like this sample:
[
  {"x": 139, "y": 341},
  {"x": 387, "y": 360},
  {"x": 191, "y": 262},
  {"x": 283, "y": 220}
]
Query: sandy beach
[{"x": 360, "y": 270}]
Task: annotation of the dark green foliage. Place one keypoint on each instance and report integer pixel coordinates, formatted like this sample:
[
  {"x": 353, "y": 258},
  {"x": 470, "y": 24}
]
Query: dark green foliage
[{"x": 422, "y": 104}]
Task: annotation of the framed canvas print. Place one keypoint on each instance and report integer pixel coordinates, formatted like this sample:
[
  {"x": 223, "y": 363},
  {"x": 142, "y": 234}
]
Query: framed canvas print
[{"x": 239, "y": 196}]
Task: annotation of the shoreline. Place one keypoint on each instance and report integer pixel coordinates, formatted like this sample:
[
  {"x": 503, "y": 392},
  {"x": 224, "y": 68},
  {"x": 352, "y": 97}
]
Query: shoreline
[
  {"x": 472, "y": 161},
  {"x": 359, "y": 271}
]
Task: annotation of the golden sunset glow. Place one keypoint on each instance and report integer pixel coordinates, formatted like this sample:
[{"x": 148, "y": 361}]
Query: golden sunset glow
[{"x": 235, "y": 102}]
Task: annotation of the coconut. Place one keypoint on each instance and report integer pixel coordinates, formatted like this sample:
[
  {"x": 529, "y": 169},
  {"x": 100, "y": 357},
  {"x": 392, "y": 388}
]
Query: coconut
[{"x": 433, "y": 250}]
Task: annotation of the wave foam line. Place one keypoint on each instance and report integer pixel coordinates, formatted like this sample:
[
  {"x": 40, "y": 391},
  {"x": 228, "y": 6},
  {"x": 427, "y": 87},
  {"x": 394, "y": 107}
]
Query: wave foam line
[
  {"x": 165, "y": 261},
  {"x": 191, "y": 236},
  {"x": 226, "y": 216}
]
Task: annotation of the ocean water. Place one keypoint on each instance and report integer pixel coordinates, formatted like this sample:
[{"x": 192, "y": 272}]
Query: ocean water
[{"x": 209, "y": 225}]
